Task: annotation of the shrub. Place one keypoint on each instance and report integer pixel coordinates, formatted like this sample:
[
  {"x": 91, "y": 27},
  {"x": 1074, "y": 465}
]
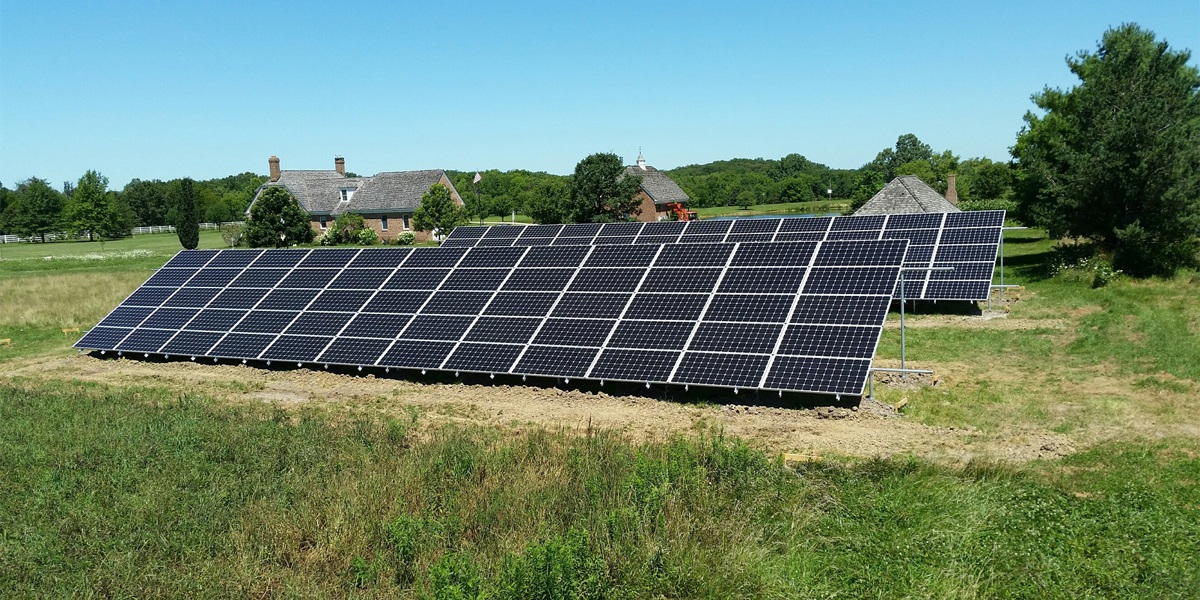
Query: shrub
[
  {"x": 234, "y": 234},
  {"x": 367, "y": 237},
  {"x": 406, "y": 238},
  {"x": 994, "y": 204},
  {"x": 1082, "y": 262}
]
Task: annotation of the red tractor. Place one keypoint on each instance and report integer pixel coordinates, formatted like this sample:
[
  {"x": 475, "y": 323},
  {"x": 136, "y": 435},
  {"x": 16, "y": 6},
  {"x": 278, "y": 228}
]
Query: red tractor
[{"x": 681, "y": 213}]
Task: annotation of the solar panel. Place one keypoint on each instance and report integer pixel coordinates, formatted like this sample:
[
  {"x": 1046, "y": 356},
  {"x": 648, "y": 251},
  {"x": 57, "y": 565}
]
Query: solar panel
[
  {"x": 787, "y": 316},
  {"x": 965, "y": 242}
]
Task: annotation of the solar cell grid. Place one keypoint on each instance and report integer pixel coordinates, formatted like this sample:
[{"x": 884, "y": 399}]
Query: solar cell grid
[
  {"x": 926, "y": 232},
  {"x": 707, "y": 314}
]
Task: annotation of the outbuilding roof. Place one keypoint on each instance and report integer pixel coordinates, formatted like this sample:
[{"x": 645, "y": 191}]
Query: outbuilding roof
[{"x": 906, "y": 194}]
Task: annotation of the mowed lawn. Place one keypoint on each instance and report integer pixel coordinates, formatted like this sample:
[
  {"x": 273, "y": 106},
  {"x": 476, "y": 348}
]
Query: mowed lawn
[{"x": 136, "y": 490}]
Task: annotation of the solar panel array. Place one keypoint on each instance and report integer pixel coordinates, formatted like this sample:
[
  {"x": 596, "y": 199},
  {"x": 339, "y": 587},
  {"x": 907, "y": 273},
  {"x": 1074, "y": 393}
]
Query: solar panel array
[
  {"x": 965, "y": 242},
  {"x": 794, "y": 316}
]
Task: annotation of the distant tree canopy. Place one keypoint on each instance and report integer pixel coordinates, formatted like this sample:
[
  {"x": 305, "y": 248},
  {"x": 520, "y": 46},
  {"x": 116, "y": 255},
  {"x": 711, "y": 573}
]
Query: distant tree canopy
[
  {"x": 1116, "y": 159},
  {"x": 94, "y": 211},
  {"x": 33, "y": 209},
  {"x": 600, "y": 193},
  {"x": 277, "y": 220}
]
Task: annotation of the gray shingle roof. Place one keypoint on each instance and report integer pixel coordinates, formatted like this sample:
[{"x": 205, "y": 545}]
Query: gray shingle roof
[
  {"x": 907, "y": 194},
  {"x": 657, "y": 185},
  {"x": 392, "y": 191}
]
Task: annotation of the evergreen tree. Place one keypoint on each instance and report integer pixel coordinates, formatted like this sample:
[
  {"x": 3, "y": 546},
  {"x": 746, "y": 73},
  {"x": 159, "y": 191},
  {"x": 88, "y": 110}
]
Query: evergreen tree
[
  {"x": 34, "y": 209},
  {"x": 1116, "y": 158},
  {"x": 187, "y": 215}
]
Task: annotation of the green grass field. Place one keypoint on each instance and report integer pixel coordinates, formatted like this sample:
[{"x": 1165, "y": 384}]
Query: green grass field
[{"x": 162, "y": 487}]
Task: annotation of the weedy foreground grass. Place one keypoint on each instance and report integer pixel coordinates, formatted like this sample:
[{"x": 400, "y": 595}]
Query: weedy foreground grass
[{"x": 138, "y": 493}]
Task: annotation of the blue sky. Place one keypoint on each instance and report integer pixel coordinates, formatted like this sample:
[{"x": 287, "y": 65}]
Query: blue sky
[{"x": 157, "y": 90}]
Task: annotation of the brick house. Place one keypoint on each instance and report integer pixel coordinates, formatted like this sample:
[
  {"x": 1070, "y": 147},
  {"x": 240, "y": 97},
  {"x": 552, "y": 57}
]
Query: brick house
[
  {"x": 386, "y": 200},
  {"x": 656, "y": 193}
]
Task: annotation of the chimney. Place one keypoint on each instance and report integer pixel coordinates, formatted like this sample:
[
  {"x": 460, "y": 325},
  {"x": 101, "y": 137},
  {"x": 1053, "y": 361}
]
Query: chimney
[
  {"x": 274, "y": 162},
  {"x": 951, "y": 193},
  {"x": 339, "y": 165}
]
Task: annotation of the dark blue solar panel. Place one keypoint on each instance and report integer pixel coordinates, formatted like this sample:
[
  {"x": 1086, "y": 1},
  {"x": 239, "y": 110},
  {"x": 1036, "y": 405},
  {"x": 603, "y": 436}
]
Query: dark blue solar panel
[
  {"x": 145, "y": 340},
  {"x": 169, "y": 318},
  {"x": 308, "y": 278},
  {"x": 750, "y": 307},
  {"x": 507, "y": 330},
  {"x": 634, "y": 365},
  {"x": 360, "y": 279},
  {"x": 737, "y": 370},
  {"x": 383, "y": 257},
  {"x": 680, "y": 280},
  {"x": 521, "y": 304},
  {"x": 416, "y": 354},
  {"x": 539, "y": 280},
  {"x": 635, "y": 312},
  {"x": 105, "y": 338},
  {"x": 828, "y": 375},
  {"x": 266, "y": 321},
  {"x": 754, "y": 338},
  {"x": 416, "y": 279},
  {"x": 607, "y": 280},
  {"x": 665, "y": 335},
  {"x": 376, "y": 325},
  {"x": 557, "y": 361},
  {"x": 574, "y": 332},
  {"x": 216, "y": 320},
  {"x": 194, "y": 259},
  {"x": 317, "y": 323},
  {"x": 483, "y": 358},
  {"x": 678, "y": 307},
  {"x": 475, "y": 279},
  {"x": 299, "y": 348},
  {"x": 287, "y": 299},
  {"x": 395, "y": 301},
  {"x": 340, "y": 300},
  {"x": 125, "y": 316},
  {"x": 437, "y": 327},
  {"x": 192, "y": 343},
  {"x": 191, "y": 297},
  {"x": 353, "y": 351},
  {"x": 279, "y": 258},
  {"x": 259, "y": 278},
  {"x": 171, "y": 277}
]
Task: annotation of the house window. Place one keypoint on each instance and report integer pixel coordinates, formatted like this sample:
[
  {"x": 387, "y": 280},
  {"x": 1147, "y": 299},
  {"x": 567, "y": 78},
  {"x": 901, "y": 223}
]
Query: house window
[
  {"x": 347, "y": 194},
  {"x": 383, "y": 223},
  {"x": 406, "y": 227},
  {"x": 322, "y": 222}
]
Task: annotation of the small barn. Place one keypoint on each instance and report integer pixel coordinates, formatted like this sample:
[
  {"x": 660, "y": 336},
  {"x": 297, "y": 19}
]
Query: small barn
[
  {"x": 657, "y": 192},
  {"x": 907, "y": 194}
]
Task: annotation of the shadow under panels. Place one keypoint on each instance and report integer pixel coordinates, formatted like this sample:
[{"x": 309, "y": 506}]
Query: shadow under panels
[{"x": 789, "y": 316}]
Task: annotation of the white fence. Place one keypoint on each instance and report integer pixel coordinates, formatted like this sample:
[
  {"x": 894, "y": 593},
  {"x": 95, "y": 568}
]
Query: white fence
[{"x": 52, "y": 237}]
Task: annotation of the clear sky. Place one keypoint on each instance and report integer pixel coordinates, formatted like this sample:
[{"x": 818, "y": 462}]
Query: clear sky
[{"x": 157, "y": 90}]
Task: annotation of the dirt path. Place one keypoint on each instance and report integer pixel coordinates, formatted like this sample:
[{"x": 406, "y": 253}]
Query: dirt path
[{"x": 865, "y": 430}]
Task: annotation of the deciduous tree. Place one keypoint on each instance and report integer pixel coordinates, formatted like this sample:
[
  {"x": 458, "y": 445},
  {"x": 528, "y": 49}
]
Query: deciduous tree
[
  {"x": 438, "y": 212},
  {"x": 92, "y": 210},
  {"x": 277, "y": 220},
  {"x": 1116, "y": 159},
  {"x": 34, "y": 209},
  {"x": 599, "y": 191}
]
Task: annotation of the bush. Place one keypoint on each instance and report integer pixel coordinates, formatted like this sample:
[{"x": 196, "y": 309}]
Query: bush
[
  {"x": 1082, "y": 262},
  {"x": 367, "y": 237},
  {"x": 234, "y": 234},
  {"x": 406, "y": 238}
]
